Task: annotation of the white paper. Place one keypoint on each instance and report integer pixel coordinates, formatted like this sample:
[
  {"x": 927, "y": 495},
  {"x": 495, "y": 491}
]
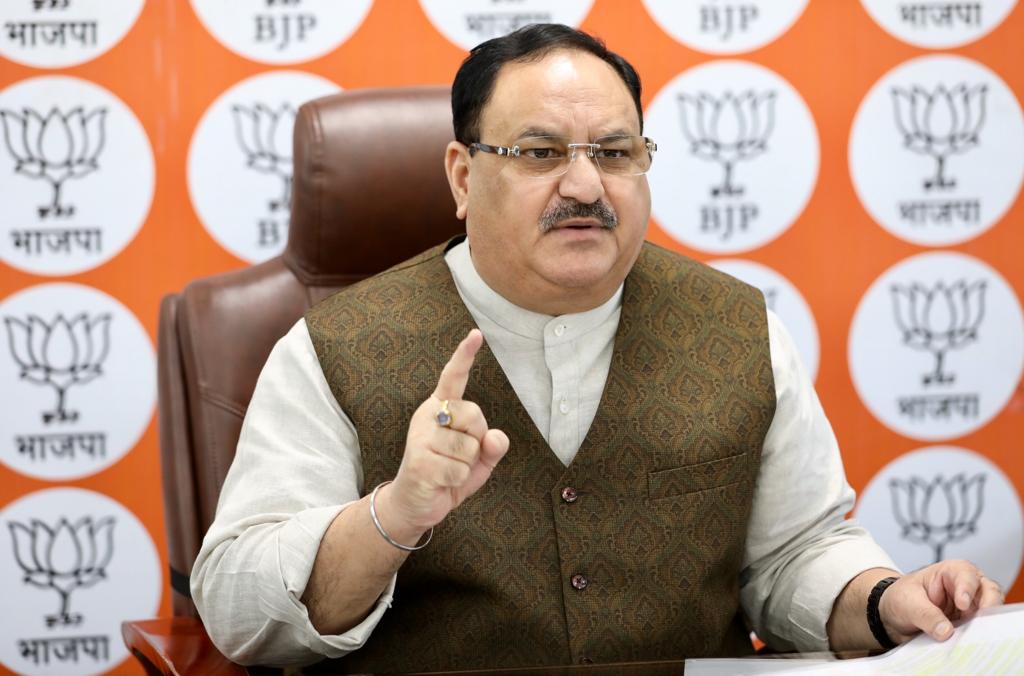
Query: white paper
[
  {"x": 992, "y": 644},
  {"x": 746, "y": 666}
]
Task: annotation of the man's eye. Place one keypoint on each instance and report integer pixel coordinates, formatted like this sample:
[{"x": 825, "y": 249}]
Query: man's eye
[
  {"x": 540, "y": 153},
  {"x": 613, "y": 153}
]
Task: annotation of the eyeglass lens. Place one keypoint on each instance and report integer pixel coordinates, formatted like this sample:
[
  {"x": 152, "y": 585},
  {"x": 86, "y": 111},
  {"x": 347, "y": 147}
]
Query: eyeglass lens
[{"x": 551, "y": 155}]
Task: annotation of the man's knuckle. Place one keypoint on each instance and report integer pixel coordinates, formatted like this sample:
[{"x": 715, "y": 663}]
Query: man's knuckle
[
  {"x": 460, "y": 445},
  {"x": 472, "y": 451},
  {"x": 473, "y": 410}
]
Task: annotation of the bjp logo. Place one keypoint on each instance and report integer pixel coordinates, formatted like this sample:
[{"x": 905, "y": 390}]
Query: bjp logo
[
  {"x": 55, "y": 148},
  {"x": 59, "y": 354},
  {"x": 939, "y": 512},
  {"x": 939, "y": 319},
  {"x": 265, "y": 136},
  {"x": 940, "y": 123},
  {"x": 63, "y": 557},
  {"x": 727, "y": 129}
]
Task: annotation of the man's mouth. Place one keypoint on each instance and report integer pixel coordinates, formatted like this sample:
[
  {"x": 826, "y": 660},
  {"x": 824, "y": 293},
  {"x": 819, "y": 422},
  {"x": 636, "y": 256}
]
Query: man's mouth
[{"x": 578, "y": 225}]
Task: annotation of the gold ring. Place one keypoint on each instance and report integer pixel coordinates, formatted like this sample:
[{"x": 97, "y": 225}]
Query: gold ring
[{"x": 444, "y": 416}]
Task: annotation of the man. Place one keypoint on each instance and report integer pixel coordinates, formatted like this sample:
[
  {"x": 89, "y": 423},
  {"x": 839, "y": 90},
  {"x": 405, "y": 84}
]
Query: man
[{"x": 633, "y": 463}]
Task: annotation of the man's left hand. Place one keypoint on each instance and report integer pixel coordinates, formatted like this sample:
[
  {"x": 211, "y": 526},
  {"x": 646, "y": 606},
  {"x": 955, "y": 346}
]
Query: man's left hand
[{"x": 931, "y": 598}]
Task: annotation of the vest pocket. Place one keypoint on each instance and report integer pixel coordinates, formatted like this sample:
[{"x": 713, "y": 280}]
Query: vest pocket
[{"x": 698, "y": 477}]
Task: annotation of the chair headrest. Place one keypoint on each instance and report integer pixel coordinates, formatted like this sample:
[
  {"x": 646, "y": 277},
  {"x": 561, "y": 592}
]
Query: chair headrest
[{"x": 369, "y": 188}]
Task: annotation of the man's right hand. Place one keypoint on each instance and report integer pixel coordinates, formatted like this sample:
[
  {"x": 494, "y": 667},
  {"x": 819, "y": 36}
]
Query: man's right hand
[{"x": 442, "y": 466}]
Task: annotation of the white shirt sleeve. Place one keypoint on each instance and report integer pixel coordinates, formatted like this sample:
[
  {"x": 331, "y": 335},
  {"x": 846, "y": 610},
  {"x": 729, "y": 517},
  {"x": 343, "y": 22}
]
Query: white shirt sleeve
[
  {"x": 801, "y": 550},
  {"x": 296, "y": 468}
]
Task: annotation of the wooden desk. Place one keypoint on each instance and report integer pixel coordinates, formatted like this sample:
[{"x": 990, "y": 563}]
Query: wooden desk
[{"x": 176, "y": 646}]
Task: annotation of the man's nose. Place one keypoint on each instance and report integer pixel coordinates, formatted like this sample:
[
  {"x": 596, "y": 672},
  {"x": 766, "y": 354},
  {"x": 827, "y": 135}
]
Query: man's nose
[{"x": 583, "y": 182}]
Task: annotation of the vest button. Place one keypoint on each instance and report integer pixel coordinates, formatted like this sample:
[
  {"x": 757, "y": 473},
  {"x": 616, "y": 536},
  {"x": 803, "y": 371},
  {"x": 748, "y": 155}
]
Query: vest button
[
  {"x": 569, "y": 494},
  {"x": 579, "y": 582}
]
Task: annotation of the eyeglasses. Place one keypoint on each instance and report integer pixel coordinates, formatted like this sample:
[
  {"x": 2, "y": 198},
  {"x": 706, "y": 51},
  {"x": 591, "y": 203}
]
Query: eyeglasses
[{"x": 550, "y": 156}]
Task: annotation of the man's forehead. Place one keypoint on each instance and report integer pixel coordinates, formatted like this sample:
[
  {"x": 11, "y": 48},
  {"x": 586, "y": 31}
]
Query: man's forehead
[{"x": 557, "y": 91}]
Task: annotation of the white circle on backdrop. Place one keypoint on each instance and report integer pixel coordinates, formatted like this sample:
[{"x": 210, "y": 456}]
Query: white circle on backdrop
[
  {"x": 936, "y": 346},
  {"x": 62, "y": 33},
  {"x": 785, "y": 300},
  {"x": 945, "y": 502},
  {"x": 81, "y": 373},
  {"x": 937, "y": 150},
  {"x": 725, "y": 26},
  {"x": 469, "y": 22},
  {"x": 938, "y": 25},
  {"x": 284, "y": 32},
  {"x": 737, "y": 156},
  {"x": 240, "y": 161},
  {"x": 76, "y": 175},
  {"x": 57, "y": 622}
]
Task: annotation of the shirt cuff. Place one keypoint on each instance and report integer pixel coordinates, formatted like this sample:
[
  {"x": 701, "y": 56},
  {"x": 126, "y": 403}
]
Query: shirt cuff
[
  {"x": 822, "y": 580},
  {"x": 282, "y": 576}
]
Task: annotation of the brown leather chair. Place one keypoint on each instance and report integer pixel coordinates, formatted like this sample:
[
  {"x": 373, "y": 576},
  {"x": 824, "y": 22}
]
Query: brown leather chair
[{"x": 369, "y": 191}]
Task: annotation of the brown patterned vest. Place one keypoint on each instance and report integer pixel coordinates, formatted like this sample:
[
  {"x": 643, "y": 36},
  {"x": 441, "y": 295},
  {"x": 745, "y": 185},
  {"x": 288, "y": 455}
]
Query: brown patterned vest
[{"x": 664, "y": 478}]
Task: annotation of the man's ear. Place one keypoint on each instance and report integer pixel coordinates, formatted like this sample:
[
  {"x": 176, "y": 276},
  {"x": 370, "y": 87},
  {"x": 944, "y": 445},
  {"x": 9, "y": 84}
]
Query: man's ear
[{"x": 456, "y": 166}]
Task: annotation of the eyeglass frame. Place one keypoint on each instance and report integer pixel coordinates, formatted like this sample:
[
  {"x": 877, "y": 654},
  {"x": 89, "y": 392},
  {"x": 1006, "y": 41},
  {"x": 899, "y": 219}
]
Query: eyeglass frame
[{"x": 513, "y": 151}]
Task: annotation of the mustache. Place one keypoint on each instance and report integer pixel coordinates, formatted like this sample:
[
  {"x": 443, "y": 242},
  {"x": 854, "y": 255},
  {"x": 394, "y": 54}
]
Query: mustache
[{"x": 575, "y": 209}]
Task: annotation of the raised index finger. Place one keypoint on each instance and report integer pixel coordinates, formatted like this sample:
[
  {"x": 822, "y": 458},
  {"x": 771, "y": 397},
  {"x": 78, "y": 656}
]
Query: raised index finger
[{"x": 455, "y": 375}]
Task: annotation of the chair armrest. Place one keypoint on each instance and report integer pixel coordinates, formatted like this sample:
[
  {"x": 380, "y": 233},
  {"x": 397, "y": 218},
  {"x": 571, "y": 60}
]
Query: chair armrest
[{"x": 176, "y": 646}]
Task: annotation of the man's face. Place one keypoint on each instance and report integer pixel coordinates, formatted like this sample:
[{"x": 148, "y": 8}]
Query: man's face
[{"x": 528, "y": 241}]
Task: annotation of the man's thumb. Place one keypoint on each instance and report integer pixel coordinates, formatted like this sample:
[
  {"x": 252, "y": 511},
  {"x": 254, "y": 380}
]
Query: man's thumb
[{"x": 929, "y": 619}]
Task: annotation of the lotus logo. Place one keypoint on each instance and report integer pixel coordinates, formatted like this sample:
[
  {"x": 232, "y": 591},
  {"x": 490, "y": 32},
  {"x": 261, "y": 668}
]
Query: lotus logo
[
  {"x": 937, "y": 512},
  {"x": 55, "y": 148},
  {"x": 940, "y": 123},
  {"x": 727, "y": 129},
  {"x": 265, "y": 136},
  {"x": 59, "y": 354},
  {"x": 939, "y": 319},
  {"x": 63, "y": 558}
]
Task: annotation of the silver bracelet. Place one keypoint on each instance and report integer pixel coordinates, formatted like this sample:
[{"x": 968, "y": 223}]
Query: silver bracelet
[{"x": 384, "y": 533}]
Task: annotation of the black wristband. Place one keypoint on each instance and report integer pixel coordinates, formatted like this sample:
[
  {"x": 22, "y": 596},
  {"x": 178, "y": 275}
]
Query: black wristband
[{"x": 874, "y": 618}]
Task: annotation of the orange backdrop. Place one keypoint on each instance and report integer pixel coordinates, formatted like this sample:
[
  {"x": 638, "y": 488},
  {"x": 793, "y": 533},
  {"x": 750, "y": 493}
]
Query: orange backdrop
[{"x": 168, "y": 69}]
